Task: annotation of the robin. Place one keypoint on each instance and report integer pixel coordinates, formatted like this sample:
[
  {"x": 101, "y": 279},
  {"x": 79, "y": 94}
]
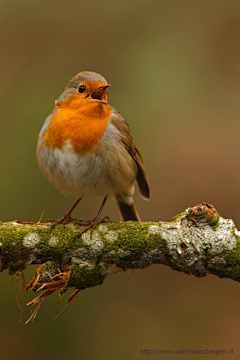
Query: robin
[{"x": 86, "y": 149}]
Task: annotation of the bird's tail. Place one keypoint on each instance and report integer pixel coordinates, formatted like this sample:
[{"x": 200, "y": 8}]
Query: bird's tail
[{"x": 128, "y": 212}]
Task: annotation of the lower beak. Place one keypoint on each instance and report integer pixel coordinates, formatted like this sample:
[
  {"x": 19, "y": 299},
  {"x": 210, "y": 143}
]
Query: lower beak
[{"x": 100, "y": 93}]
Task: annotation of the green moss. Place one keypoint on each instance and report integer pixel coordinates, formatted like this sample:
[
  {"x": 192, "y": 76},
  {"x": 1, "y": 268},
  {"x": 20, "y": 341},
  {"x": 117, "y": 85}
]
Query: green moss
[
  {"x": 236, "y": 236},
  {"x": 11, "y": 248},
  {"x": 134, "y": 239},
  {"x": 48, "y": 270},
  {"x": 180, "y": 216},
  {"x": 232, "y": 256},
  {"x": 85, "y": 277},
  {"x": 200, "y": 217},
  {"x": 214, "y": 221},
  {"x": 209, "y": 219},
  {"x": 206, "y": 244}
]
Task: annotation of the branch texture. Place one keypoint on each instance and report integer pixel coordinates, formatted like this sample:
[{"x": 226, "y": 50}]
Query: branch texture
[{"x": 197, "y": 241}]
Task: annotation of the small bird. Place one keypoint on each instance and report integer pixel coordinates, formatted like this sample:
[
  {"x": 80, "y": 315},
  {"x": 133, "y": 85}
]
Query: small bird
[{"x": 86, "y": 149}]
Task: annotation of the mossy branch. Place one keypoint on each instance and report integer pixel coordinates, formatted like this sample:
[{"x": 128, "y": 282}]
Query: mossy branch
[{"x": 198, "y": 241}]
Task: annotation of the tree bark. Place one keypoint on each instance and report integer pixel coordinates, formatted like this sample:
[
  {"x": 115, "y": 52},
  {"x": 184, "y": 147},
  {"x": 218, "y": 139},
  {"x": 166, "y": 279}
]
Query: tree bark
[{"x": 197, "y": 241}]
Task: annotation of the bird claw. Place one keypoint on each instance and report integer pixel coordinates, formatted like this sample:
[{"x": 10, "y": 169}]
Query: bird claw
[
  {"x": 89, "y": 226},
  {"x": 64, "y": 220}
]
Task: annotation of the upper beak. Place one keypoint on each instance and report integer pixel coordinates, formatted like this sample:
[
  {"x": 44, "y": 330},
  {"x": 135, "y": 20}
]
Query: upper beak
[{"x": 99, "y": 93}]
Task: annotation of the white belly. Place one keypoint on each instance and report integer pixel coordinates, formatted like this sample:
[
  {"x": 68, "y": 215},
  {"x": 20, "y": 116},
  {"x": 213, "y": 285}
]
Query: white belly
[{"x": 111, "y": 171}]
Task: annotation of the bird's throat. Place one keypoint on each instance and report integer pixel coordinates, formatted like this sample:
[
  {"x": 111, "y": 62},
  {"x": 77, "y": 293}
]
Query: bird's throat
[{"x": 83, "y": 123}]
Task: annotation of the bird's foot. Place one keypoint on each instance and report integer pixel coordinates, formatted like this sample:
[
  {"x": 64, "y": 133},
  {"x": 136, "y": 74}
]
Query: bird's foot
[
  {"x": 67, "y": 217},
  {"x": 64, "y": 220},
  {"x": 90, "y": 225}
]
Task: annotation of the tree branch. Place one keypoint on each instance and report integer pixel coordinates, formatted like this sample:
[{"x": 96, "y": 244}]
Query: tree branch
[{"x": 197, "y": 241}]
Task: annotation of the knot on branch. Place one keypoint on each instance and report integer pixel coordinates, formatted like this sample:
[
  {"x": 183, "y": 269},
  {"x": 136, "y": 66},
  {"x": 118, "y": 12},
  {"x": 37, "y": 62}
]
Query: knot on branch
[{"x": 201, "y": 214}]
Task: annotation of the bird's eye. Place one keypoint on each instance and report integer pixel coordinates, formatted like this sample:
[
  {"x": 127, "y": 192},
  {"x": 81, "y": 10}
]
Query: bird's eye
[{"x": 81, "y": 89}]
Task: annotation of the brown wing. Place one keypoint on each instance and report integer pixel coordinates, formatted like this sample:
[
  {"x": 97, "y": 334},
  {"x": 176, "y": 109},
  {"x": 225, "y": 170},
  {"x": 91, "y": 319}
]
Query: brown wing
[{"x": 127, "y": 140}]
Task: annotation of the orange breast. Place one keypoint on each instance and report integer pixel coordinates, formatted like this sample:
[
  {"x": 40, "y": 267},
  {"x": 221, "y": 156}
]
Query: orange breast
[{"x": 82, "y": 121}]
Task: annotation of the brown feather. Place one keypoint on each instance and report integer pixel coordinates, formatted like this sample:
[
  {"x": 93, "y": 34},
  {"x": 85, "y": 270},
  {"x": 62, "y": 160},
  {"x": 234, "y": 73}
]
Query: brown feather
[
  {"x": 127, "y": 140},
  {"x": 128, "y": 212}
]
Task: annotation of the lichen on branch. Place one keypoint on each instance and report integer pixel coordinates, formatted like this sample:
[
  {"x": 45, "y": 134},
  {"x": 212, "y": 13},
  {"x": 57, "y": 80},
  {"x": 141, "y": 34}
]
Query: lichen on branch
[{"x": 197, "y": 241}]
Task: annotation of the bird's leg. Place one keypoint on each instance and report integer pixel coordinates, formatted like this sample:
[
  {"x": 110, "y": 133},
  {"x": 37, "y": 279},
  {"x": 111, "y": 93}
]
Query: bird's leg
[
  {"x": 66, "y": 218},
  {"x": 94, "y": 222}
]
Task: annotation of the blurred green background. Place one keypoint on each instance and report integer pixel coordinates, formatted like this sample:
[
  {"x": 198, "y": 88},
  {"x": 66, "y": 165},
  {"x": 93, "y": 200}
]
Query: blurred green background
[{"x": 174, "y": 67}]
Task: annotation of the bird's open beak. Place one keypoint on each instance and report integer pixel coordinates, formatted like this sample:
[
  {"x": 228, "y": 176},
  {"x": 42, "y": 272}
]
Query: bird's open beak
[{"x": 100, "y": 94}]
